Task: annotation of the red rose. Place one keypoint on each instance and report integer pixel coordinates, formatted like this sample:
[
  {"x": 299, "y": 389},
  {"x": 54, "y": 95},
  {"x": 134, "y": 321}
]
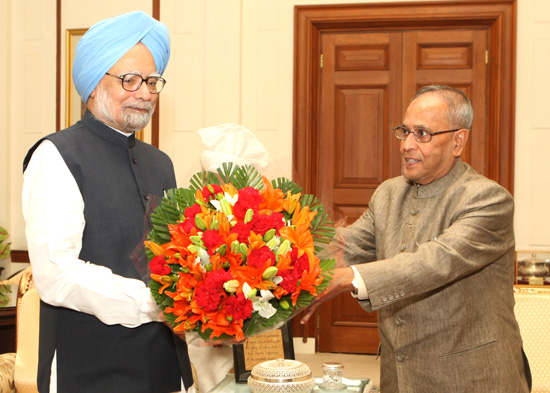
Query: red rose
[
  {"x": 259, "y": 257},
  {"x": 188, "y": 225},
  {"x": 158, "y": 266},
  {"x": 261, "y": 223},
  {"x": 238, "y": 307},
  {"x": 249, "y": 198},
  {"x": 209, "y": 294},
  {"x": 299, "y": 264},
  {"x": 207, "y": 194},
  {"x": 212, "y": 240},
  {"x": 243, "y": 231},
  {"x": 208, "y": 297},
  {"x": 290, "y": 280},
  {"x": 278, "y": 220},
  {"x": 302, "y": 264},
  {"x": 191, "y": 212}
]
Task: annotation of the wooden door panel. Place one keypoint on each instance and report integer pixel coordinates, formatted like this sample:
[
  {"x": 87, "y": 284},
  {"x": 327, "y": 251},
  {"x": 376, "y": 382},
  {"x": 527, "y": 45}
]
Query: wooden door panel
[
  {"x": 355, "y": 107},
  {"x": 348, "y": 213},
  {"x": 351, "y": 329},
  {"x": 455, "y": 58},
  {"x": 359, "y": 147},
  {"x": 359, "y": 103}
]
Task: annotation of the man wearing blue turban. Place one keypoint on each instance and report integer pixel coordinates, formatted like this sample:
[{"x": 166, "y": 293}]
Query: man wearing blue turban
[{"x": 85, "y": 195}]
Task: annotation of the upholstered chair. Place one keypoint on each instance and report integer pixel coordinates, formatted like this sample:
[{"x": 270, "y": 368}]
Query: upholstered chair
[
  {"x": 18, "y": 370},
  {"x": 533, "y": 314}
]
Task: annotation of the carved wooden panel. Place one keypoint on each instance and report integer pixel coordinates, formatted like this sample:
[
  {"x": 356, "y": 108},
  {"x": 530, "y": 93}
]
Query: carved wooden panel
[
  {"x": 433, "y": 56},
  {"x": 455, "y": 58},
  {"x": 358, "y": 143},
  {"x": 363, "y": 57}
]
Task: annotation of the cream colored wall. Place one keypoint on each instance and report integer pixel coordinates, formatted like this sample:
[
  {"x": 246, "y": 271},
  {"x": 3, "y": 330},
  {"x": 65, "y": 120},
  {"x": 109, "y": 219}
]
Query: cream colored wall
[
  {"x": 232, "y": 61},
  {"x": 28, "y": 62},
  {"x": 532, "y": 156}
]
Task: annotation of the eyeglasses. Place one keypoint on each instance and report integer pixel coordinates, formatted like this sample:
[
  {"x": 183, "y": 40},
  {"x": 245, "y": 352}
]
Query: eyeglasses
[
  {"x": 132, "y": 82},
  {"x": 421, "y": 135}
]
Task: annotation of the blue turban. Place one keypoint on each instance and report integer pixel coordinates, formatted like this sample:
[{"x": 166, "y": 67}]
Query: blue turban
[{"x": 107, "y": 41}]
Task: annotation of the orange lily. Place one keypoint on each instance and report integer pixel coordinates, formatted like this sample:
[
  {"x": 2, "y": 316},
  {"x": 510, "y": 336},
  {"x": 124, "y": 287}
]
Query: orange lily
[
  {"x": 165, "y": 282},
  {"x": 256, "y": 241},
  {"x": 292, "y": 200},
  {"x": 284, "y": 262},
  {"x": 223, "y": 223},
  {"x": 301, "y": 237},
  {"x": 273, "y": 198},
  {"x": 155, "y": 248},
  {"x": 252, "y": 276},
  {"x": 308, "y": 282},
  {"x": 230, "y": 189},
  {"x": 302, "y": 215}
]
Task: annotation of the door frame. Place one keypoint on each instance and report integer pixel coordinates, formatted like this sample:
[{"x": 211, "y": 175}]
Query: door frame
[{"x": 310, "y": 22}]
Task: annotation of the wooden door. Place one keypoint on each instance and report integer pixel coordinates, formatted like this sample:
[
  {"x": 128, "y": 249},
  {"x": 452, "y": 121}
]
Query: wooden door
[{"x": 367, "y": 81}]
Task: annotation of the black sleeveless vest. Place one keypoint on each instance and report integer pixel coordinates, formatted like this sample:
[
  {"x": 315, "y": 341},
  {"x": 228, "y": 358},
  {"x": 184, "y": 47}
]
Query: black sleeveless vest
[{"x": 117, "y": 177}]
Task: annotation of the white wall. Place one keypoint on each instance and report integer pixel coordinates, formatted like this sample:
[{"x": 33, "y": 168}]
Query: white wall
[
  {"x": 532, "y": 158},
  {"x": 232, "y": 61},
  {"x": 28, "y": 50}
]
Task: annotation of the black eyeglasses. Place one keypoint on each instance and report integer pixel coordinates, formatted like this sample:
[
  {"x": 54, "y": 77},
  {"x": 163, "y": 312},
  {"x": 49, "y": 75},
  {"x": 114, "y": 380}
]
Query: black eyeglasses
[
  {"x": 132, "y": 82},
  {"x": 421, "y": 135}
]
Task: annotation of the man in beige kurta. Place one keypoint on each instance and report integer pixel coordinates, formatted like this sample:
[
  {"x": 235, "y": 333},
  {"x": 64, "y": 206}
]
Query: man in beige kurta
[{"x": 434, "y": 254}]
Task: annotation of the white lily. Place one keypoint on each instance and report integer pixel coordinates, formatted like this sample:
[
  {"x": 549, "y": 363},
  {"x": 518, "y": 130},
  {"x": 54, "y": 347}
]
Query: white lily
[
  {"x": 204, "y": 258},
  {"x": 247, "y": 289},
  {"x": 260, "y": 303},
  {"x": 277, "y": 280},
  {"x": 231, "y": 199},
  {"x": 217, "y": 204}
]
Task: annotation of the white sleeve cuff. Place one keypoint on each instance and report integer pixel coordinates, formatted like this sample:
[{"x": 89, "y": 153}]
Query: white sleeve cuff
[
  {"x": 148, "y": 308},
  {"x": 362, "y": 293}
]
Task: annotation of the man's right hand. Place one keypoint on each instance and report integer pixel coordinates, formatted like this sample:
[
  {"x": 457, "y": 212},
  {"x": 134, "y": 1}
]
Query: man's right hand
[{"x": 340, "y": 283}]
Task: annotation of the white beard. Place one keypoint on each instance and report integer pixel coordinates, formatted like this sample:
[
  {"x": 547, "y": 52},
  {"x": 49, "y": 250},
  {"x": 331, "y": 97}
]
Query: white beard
[{"x": 131, "y": 121}]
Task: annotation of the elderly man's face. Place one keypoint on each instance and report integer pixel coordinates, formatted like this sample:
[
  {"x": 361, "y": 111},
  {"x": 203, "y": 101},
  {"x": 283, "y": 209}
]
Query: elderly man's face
[
  {"x": 126, "y": 111},
  {"x": 425, "y": 162}
]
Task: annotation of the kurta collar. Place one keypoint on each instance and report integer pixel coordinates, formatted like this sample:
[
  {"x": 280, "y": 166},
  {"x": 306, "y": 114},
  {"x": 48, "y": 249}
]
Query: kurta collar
[
  {"x": 440, "y": 185},
  {"x": 107, "y": 133}
]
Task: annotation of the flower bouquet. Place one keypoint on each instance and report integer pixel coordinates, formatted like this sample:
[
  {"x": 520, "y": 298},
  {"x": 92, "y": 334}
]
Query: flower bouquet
[{"x": 235, "y": 254}]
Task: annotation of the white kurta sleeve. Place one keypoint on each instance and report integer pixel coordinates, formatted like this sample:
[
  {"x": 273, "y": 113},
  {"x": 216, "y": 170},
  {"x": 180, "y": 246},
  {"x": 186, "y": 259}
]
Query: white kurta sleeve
[{"x": 53, "y": 209}]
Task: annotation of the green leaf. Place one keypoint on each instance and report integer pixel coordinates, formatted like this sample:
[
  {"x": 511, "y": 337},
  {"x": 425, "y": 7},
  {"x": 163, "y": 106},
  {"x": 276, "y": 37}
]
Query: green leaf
[
  {"x": 322, "y": 228},
  {"x": 286, "y": 185},
  {"x": 162, "y": 300}
]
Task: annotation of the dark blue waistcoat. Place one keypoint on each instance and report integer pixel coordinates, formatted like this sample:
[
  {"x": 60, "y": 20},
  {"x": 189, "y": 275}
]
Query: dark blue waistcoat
[{"x": 118, "y": 176}]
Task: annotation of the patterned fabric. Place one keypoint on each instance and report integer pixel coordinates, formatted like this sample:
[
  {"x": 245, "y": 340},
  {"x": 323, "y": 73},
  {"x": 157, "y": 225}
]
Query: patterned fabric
[
  {"x": 7, "y": 364},
  {"x": 533, "y": 313},
  {"x": 28, "y": 317}
]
